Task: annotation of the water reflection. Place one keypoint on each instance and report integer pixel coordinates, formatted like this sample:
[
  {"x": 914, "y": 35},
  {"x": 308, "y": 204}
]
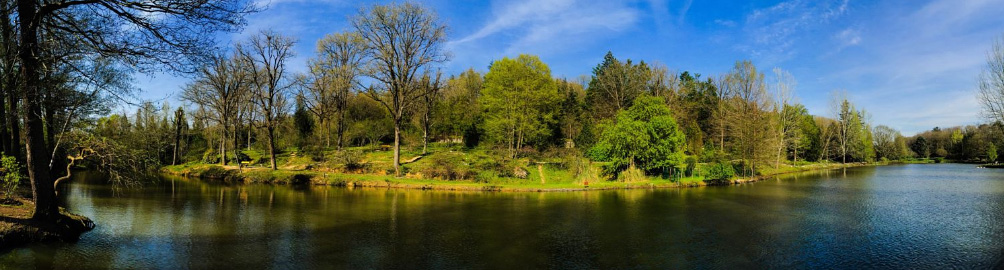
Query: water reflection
[{"x": 912, "y": 216}]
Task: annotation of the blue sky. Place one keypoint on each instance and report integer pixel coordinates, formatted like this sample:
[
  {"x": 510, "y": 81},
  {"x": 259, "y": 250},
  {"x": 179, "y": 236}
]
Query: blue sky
[{"x": 912, "y": 65}]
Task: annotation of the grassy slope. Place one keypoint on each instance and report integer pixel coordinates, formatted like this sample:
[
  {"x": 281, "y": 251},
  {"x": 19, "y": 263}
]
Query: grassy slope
[{"x": 300, "y": 167}]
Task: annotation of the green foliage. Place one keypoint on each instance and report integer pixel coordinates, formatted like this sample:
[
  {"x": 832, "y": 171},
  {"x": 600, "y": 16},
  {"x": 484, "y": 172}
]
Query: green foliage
[
  {"x": 459, "y": 112},
  {"x": 302, "y": 121},
  {"x": 211, "y": 156},
  {"x": 691, "y": 166},
  {"x": 449, "y": 167},
  {"x": 351, "y": 159},
  {"x": 992, "y": 153},
  {"x": 719, "y": 171},
  {"x": 10, "y": 175},
  {"x": 519, "y": 100},
  {"x": 645, "y": 136},
  {"x": 632, "y": 174},
  {"x": 921, "y": 147},
  {"x": 615, "y": 85}
]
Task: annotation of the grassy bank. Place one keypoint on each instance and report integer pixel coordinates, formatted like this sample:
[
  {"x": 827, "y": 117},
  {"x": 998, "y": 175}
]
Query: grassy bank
[
  {"x": 17, "y": 228},
  {"x": 445, "y": 168}
]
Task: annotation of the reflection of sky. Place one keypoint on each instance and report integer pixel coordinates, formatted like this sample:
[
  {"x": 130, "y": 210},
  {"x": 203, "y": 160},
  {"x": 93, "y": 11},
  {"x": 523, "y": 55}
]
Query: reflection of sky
[{"x": 914, "y": 216}]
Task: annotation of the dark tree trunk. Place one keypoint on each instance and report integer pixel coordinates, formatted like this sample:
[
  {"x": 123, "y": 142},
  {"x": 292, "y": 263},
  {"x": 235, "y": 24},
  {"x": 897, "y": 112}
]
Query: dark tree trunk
[
  {"x": 341, "y": 128},
  {"x": 48, "y": 119},
  {"x": 179, "y": 117},
  {"x": 14, "y": 144},
  {"x": 397, "y": 148},
  {"x": 38, "y": 170},
  {"x": 7, "y": 116},
  {"x": 5, "y": 145},
  {"x": 271, "y": 146}
]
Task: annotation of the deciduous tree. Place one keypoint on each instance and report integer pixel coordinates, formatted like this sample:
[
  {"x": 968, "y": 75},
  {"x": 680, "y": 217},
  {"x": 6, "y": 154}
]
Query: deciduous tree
[{"x": 402, "y": 41}]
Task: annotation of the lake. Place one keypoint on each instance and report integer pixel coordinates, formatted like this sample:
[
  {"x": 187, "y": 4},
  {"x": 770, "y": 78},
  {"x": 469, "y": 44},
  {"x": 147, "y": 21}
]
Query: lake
[{"x": 900, "y": 216}]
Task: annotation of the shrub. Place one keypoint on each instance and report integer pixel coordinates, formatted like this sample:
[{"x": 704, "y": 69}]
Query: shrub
[
  {"x": 720, "y": 171},
  {"x": 520, "y": 172},
  {"x": 316, "y": 154},
  {"x": 10, "y": 175},
  {"x": 448, "y": 167},
  {"x": 351, "y": 159},
  {"x": 691, "y": 165},
  {"x": 210, "y": 156},
  {"x": 576, "y": 165},
  {"x": 241, "y": 157},
  {"x": 632, "y": 174}
]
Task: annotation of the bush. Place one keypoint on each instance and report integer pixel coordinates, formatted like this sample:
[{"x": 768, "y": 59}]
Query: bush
[
  {"x": 351, "y": 159},
  {"x": 720, "y": 171},
  {"x": 210, "y": 156},
  {"x": 241, "y": 157},
  {"x": 10, "y": 175},
  {"x": 520, "y": 172},
  {"x": 691, "y": 165},
  {"x": 576, "y": 165},
  {"x": 448, "y": 167},
  {"x": 316, "y": 154},
  {"x": 632, "y": 174}
]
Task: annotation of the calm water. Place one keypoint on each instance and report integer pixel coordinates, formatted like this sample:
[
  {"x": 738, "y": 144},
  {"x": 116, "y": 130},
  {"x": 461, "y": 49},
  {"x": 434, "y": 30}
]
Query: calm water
[{"x": 910, "y": 216}]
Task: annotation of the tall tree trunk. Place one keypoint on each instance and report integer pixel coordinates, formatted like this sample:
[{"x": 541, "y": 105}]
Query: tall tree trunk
[
  {"x": 250, "y": 128},
  {"x": 341, "y": 128},
  {"x": 425, "y": 134},
  {"x": 327, "y": 132},
  {"x": 780, "y": 150},
  {"x": 15, "y": 124},
  {"x": 5, "y": 145},
  {"x": 11, "y": 140},
  {"x": 237, "y": 157},
  {"x": 397, "y": 148},
  {"x": 271, "y": 145},
  {"x": 223, "y": 144},
  {"x": 41, "y": 183},
  {"x": 48, "y": 119},
  {"x": 178, "y": 118}
]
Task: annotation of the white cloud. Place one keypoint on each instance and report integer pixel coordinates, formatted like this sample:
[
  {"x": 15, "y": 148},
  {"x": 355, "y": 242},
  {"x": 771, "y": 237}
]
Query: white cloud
[
  {"x": 552, "y": 24},
  {"x": 771, "y": 33},
  {"x": 849, "y": 37}
]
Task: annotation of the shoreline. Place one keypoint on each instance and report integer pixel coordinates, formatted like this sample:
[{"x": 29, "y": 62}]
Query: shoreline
[
  {"x": 320, "y": 178},
  {"x": 17, "y": 229}
]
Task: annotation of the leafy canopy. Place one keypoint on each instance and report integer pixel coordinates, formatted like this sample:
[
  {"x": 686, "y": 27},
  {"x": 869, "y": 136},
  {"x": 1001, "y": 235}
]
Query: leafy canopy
[{"x": 645, "y": 136}]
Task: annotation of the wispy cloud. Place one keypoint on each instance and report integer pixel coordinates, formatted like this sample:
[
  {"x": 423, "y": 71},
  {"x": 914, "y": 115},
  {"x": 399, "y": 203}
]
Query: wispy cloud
[
  {"x": 530, "y": 25},
  {"x": 849, "y": 37},
  {"x": 919, "y": 66},
  {"x": 772, "y": 32}
]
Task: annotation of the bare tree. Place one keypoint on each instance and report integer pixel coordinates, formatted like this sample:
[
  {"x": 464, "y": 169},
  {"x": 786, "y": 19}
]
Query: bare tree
[
  {"x": 402, "y": 41},
  {"x": 429, "y": 102},
  {"x": 333, "y": 76},
  {"x": 265, "y": 56},
  {"x": 220, "y": 87},
  {"x": 749, "y": 118},
  {"x": 787, "y": 121},
  {"x": 842, "y": 110},
  {"x": 991, "y": 93}
]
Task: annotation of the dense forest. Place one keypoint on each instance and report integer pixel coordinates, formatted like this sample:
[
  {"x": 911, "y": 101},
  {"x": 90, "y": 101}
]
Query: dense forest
[{"x": 379, "y": 86}]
